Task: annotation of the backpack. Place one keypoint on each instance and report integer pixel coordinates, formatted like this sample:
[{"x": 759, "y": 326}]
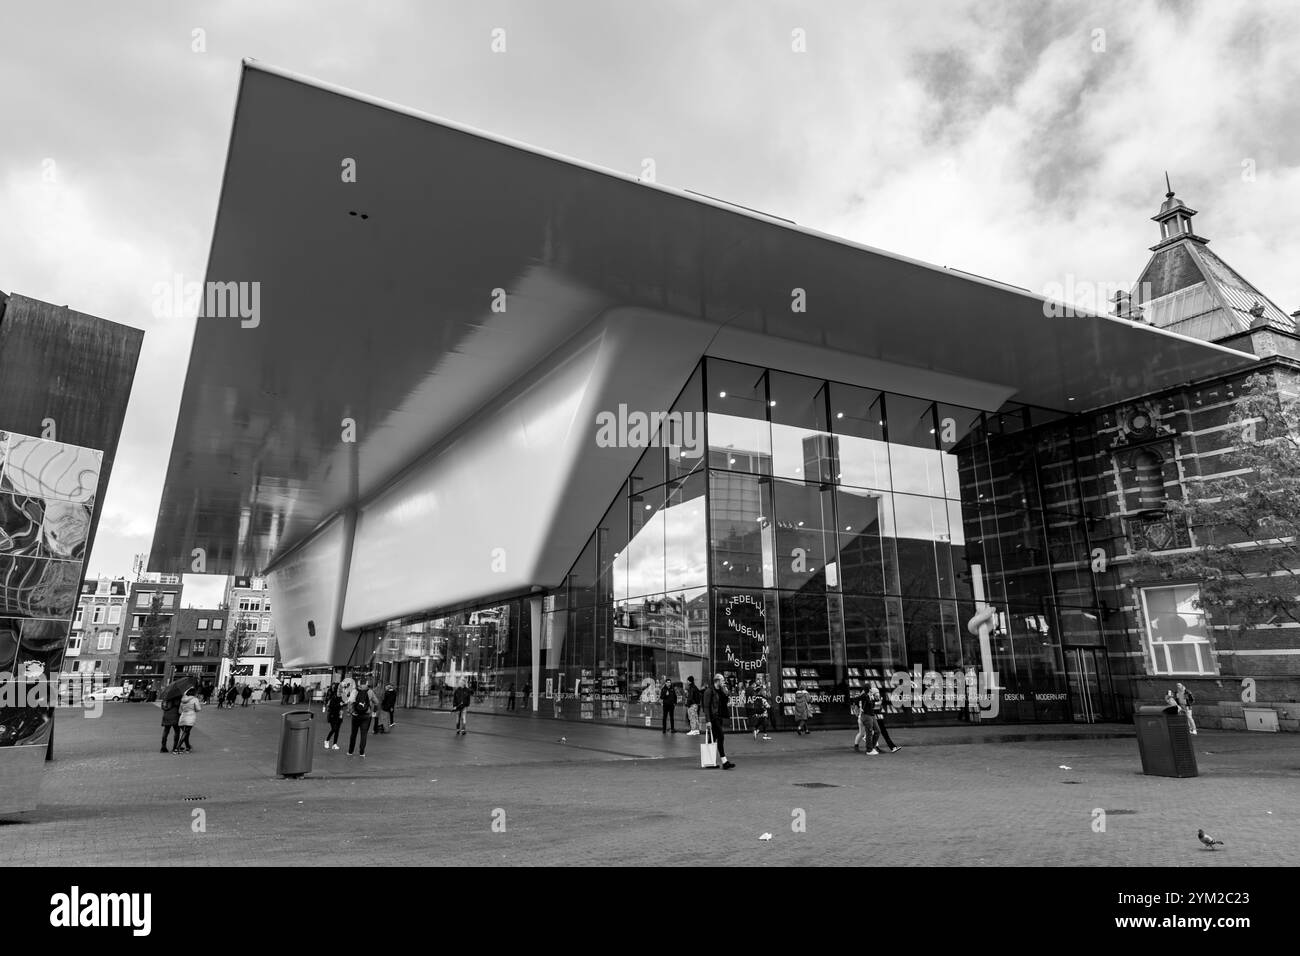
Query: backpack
[{"x": 361, "y": 706}]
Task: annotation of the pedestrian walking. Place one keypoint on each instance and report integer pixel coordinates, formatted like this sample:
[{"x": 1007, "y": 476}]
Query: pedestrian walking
[
  {"x": 232, "y": 695},
  {"x": 802, "y": 710},
  {"x": 871, "y": 727},
  {"x": 510, "y": 698},
  {"x": 389, "y": 703},
  {"x": 693, "y": 698},
  {"x": 362, "y": 708},
  {"x": 333, "y": 710},
  {"x": 190, "y": 706},
  {"x": 668, "y": 698},
  {"x": 171, "y": 719},
  {"x": 246, "y": 693},
  {"x": 716, "y": 706},
  {"x": 758, "y": 711},
  {"x": 460, "y": 704}
]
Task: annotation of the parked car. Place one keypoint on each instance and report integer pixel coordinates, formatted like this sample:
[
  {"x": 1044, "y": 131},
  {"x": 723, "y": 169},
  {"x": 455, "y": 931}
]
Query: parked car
[{"x": 106, "y": 693}]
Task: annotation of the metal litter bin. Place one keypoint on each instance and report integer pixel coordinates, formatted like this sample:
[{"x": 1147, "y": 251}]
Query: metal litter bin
[
  {"x": 295, "y": 744},
  {"x": 1165, "y": 742}
]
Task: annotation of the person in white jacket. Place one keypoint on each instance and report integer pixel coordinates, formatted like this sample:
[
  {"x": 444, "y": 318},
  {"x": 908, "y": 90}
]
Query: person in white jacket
[{"x": 191, "y": 704}]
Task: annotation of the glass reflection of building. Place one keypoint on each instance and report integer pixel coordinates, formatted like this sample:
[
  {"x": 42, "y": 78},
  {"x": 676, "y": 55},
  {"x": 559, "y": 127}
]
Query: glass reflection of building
[{"x": 823, "y": 536}]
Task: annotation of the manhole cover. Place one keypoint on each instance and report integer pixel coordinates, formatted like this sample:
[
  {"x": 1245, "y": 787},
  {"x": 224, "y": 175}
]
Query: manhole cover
[
  {"x": 192, "y": 799},
  {"x": 816, "y": 786},
  {"x": 1120, "y": 813}
]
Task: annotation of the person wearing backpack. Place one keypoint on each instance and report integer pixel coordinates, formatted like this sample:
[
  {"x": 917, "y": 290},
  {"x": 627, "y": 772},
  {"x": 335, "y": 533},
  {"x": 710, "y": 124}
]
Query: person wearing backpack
[
  {"x": 460, "y": 704},
  {"x": 362, "y": 707}
]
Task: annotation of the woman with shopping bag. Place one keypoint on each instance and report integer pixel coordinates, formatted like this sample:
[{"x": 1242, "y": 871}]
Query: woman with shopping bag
[{"x": 716, "y": 713}]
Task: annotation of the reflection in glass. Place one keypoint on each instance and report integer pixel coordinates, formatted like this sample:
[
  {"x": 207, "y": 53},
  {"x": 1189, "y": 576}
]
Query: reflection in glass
[
  {"x": 802, "y": 448},
  {"x": 742, "y": 535},
  {"x": 685, "y": 548},
  {"x": 857, "y": 418},
  {"x": 924, "y": 543},
  {"x": 739, "y": 436},
  {"x": 868, "y": 559},
  {"x": 805, "y": 535},
  {"x": 916, "y": 464}
]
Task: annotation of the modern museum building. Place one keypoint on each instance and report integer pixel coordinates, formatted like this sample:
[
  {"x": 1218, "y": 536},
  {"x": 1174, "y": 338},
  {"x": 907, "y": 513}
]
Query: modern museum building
[{"x": 479, "y": 412}]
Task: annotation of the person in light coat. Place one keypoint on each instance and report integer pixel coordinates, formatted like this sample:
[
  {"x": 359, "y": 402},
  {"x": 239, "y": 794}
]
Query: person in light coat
[{"x": 191, "y": 704}]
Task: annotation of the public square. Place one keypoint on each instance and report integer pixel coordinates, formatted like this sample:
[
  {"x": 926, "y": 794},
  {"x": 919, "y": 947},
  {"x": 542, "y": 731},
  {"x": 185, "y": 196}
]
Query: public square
[{"x": 580, "y": 794}]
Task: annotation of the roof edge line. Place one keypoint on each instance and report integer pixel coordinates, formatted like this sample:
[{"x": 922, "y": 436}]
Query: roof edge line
[{"x": 680, "y": 192}]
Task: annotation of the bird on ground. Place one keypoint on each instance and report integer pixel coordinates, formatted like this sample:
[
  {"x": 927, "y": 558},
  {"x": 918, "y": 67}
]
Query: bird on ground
[{"x": 1207, "y": 839}]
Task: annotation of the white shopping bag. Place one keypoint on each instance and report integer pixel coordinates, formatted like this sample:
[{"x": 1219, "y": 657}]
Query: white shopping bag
[{"x": 709, "y": 749}]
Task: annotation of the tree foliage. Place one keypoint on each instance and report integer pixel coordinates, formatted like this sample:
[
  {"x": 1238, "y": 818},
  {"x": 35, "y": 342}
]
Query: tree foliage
[
  {"x": 155, "y": 632},
  {"x": 1247, "y": 526}
]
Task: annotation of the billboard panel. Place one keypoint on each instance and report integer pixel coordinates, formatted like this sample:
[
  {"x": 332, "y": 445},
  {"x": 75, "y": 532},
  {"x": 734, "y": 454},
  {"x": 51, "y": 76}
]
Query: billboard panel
[{"x": 47, "y": 503}]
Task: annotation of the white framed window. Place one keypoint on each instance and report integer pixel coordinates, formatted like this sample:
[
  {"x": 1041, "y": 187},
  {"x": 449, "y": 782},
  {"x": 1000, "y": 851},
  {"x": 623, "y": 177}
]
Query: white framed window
[
  {"x": 99, "y": 665},
  {"x": 266, "y": 622},
  {"x": 74, "y": 644},
  {"x": 76, "y": 665},
  {"x": 260, "y": 647},
  {"x": 115, "y": 614},
  {"x": 97, "y": 616},
  {"x": 103, "y": 586},
  {"x": 1178, "y": 639},
  {"x": 143, "y": 598},
  {"x": 105, "y": 641},
  {"x": 202, "y": 624},
  {"x": 137, "y": 621},
  {"x": 184, "y": 649},
  {"x": 168, "y": 599},
  {"x": 76, "y": 621},
  {"x": 216, "y": 623}
]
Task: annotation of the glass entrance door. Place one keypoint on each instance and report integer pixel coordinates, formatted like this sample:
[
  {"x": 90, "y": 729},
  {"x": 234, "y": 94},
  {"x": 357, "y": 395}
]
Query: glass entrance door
[{"x": 1091, "y": 697}]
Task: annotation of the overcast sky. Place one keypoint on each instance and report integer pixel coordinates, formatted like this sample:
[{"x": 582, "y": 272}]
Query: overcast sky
[{"x": 1026, "y": 142}]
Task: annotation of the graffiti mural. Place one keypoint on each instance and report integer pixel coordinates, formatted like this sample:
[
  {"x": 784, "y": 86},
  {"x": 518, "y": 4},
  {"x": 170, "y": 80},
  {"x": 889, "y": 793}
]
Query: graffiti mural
[{"x": 47, "y": 502}]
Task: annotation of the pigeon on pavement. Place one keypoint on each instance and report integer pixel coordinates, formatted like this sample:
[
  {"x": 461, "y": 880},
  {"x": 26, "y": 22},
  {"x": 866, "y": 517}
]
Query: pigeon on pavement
[{"x": 1207, "y": 839}]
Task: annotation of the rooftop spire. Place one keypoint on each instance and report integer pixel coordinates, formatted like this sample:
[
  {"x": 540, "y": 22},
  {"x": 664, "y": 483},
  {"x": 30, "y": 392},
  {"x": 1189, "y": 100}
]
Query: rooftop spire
[{"x": 1170, "y": 193}]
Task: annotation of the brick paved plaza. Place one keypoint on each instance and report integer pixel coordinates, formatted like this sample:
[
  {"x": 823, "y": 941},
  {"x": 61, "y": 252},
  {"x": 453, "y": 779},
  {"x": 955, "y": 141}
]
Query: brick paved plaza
[{"x": 423, "y": 795}]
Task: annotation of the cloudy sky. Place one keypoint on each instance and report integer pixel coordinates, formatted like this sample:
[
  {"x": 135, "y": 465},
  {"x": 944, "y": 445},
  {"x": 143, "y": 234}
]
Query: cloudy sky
[{"x": 1026, "y": 141}]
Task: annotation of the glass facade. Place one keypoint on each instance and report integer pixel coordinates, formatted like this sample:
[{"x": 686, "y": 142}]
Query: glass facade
[{"x": 822, "y": 536}]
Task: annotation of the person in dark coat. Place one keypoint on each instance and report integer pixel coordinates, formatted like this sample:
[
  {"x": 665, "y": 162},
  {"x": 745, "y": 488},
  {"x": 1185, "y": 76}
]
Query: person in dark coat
[
  {"x": 389, "y": 703},
  {"x": 717, "y": 714},
  {"x": 460, "y": 703},
  {"x": 246, "y": 693},
  {"x": 333, "y": 710},
  {"x": 668, "y": 698},
  {"x": 171, "y": 720}
]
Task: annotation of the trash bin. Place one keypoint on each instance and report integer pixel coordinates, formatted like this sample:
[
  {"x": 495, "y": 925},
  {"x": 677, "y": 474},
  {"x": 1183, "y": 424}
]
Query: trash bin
[
  {"x": 1165, "y": 742},
  {"x": 295, "y": 744}
]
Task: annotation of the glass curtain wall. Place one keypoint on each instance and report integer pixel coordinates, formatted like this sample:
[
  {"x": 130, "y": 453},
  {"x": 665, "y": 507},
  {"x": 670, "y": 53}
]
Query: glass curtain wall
[{"x": 797, "y": 535}]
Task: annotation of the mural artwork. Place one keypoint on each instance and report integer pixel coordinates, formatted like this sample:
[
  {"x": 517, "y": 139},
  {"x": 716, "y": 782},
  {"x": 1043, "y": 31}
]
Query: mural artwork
[{"x": 47, "y": 501}]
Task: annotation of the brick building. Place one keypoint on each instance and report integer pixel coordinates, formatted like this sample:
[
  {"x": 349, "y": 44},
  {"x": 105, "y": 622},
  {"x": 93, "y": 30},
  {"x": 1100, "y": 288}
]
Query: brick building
[
  {"x": 196, "y": 643},
  {"x": 1100, "y": 484},
  {"x": 165, "y": 589},
  {"x": 95, "y": 641}
]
